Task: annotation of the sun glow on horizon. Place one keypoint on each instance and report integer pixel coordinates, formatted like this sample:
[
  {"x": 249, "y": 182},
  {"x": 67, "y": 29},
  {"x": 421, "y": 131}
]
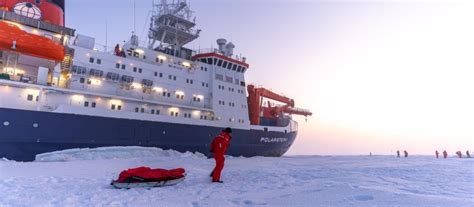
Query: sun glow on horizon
[{"x": 397, "y": 81}]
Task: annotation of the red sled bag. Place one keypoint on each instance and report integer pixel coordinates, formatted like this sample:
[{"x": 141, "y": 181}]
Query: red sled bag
[
  {"x": 146, "y": 174},
  {"x": 145, "y": 177}
]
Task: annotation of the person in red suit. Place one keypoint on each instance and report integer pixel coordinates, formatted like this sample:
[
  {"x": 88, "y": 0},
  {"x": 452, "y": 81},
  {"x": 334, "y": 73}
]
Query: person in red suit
[{"x": 219, "y": 147}]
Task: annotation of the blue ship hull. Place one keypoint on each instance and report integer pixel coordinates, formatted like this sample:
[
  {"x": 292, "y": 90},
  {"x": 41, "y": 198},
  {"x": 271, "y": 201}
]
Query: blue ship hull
[{"x": 28, "y": 133}]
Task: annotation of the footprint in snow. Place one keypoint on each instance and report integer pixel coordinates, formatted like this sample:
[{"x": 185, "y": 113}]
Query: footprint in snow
[
  {"x": 363, "y": 197},
  {"x": 251, "y": 203}
]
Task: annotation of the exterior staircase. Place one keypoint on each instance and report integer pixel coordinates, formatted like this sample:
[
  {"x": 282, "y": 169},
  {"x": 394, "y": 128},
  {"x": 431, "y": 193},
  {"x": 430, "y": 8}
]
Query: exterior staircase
[{"x": 67, "y": 62}]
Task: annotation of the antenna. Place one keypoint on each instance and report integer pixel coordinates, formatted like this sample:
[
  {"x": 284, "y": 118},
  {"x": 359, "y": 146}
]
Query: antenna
[
  {"x": 134, "y": 17},
  {"x": 106, "y": 35}
]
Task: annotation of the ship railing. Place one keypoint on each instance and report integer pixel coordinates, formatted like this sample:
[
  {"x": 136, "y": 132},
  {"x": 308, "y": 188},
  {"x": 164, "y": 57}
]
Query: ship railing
[
  {"x": 10, "y": 16},
  {"x": 215, "y": 50}
]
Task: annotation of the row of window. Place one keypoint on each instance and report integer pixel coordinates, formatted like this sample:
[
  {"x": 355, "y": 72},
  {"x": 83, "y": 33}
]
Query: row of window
[
  {"x": 139, "y": 70},
  {"x": 115, "y": 76},
  {"x": 231, "y": 104},
  {"x": 172, "y": 113},
  {"x": 92, "y": 104},
  {"x": 221, "y": 87},
  {"x": 118, "y": 66},
  {"x": 93, "y": 60},
  {"x": 172, "y": 77},
  {"x": 175, "y": 114},
  {"x": 83, "y": 80},
  {"x": 196, "y": 99},
  {"x": 223, "y": 64},
  {"x": 116, "y": 107},
  {"x": 180, "y": 96},
  {"x": 30, "y": 97},
  {"x": 229, "y": 79}
]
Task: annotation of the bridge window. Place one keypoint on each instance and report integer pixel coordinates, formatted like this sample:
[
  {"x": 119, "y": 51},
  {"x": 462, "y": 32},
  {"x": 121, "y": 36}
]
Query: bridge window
[
  {"x": 225, "y": 64},
  {"x": 219, "y": 63},
  {"x": 209, "y": 61},
  {"x": 91, "y": 60},
  {"x": 230, "y": 66}
]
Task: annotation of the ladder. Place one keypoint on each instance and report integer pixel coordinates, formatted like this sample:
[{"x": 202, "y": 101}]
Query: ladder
[{"x": 67, "y": 62}]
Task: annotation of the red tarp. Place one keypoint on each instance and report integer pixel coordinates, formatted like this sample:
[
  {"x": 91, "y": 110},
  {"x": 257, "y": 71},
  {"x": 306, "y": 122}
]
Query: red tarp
[{"x": 149, "y": 174}]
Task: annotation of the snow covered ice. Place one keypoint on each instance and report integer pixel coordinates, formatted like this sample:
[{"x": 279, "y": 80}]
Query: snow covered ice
[{"x": 82, "y": 177}]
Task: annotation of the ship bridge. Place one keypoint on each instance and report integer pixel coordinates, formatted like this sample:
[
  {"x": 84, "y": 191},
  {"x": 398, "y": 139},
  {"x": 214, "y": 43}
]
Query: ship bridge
[{"x": 223, "y": 57}]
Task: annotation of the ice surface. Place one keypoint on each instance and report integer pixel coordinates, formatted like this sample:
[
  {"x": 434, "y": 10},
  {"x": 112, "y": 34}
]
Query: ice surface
[{"x": 82, "y": 177}]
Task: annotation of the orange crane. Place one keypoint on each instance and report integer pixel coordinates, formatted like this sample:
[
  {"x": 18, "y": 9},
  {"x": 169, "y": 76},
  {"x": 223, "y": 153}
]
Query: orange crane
[{"x": 256, "y": 109}]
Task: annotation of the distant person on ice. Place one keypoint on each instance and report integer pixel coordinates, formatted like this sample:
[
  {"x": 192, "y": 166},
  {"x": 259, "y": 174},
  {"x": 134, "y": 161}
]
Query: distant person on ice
[
  {"x": 398, "y": 153},
  {"x": 459, "y": 154},
  {"x": 406, "y": 153},
  {"x": 468, "y": 154},
  {"x": 219, "y": 148},
  {"x": 437, "y": 154},
  {"x": 445, "y": 154}
]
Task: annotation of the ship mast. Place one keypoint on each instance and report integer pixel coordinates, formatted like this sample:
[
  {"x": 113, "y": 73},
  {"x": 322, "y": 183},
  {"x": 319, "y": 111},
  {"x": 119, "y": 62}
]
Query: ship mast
[{"x": 172, "y": 25}]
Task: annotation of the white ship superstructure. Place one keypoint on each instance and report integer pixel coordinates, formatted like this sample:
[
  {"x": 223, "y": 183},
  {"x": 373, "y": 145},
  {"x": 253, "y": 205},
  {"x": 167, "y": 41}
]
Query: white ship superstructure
[{"x": 164, "y": 86}]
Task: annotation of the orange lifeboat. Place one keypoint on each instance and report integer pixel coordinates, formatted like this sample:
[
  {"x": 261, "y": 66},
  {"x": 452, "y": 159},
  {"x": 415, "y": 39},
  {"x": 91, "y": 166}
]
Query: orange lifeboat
[{"x": 14, "y": 39}]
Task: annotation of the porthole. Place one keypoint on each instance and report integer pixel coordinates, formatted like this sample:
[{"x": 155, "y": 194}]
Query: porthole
[
  {"x": 6, "y": 123},
  {"x": 35, "y": 125}
]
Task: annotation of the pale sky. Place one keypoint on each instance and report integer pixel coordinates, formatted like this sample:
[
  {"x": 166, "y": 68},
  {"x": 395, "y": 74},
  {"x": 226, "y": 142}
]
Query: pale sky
[{"x": 378, "y": 75}]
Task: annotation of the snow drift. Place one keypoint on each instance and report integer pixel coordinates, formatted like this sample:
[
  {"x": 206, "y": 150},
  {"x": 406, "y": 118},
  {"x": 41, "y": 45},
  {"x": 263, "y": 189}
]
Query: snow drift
[{"x": 113, "y": 153}]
